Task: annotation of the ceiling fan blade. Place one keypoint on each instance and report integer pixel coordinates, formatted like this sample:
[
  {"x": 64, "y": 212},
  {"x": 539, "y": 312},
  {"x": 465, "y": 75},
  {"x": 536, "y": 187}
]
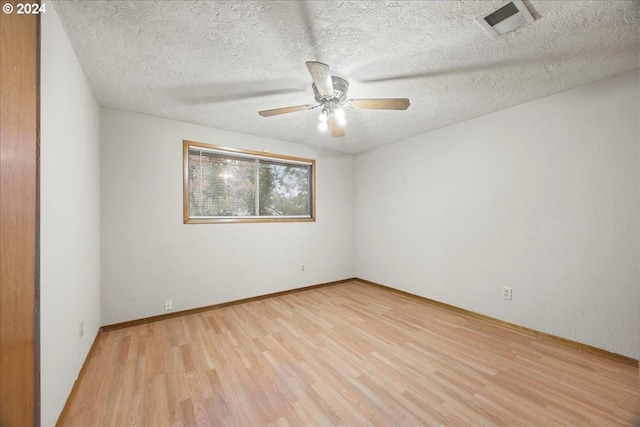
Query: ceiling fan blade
[
  {"x": 378, "y": 104},
  {"x": 285, "y": 110},
  {"x": 337, "y": 130},
  {"x": 321, "y": 75}
]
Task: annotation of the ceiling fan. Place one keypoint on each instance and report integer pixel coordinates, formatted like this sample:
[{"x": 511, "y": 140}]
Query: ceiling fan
[{"x": 331, "y": 94}]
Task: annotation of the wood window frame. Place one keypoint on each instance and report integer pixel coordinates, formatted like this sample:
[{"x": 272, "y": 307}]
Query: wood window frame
[{"x": 242, "y": 153}]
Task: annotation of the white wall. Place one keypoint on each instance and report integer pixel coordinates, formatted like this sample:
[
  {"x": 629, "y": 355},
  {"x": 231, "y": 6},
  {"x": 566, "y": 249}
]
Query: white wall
[
  {"x": 69, "y": 217},
  {"x": 542, "y": 197},
  {"x": 149, "y": 255}
]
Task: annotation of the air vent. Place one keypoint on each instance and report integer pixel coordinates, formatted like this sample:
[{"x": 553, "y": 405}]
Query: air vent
[{"x": 509, "y": 16}]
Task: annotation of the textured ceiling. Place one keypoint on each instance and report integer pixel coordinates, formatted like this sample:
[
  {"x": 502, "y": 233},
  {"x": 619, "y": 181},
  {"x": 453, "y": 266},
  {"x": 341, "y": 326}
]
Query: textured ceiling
[{"x": 217, "y": 63}]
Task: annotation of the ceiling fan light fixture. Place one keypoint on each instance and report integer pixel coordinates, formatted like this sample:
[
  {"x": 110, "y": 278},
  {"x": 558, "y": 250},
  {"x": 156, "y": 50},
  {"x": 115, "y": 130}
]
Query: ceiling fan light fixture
[{"x": 323, "y": 126}]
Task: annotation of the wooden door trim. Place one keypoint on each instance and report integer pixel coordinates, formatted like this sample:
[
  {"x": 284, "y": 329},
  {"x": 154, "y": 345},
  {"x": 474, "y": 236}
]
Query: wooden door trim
[{"x": 19, "y": 218}]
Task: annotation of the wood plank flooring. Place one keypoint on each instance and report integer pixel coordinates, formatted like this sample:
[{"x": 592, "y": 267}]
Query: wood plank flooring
[{"x": 347, "y": 354}]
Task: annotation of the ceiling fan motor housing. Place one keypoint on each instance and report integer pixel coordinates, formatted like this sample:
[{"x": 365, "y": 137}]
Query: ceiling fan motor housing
[{"x": 340, "y": 88}]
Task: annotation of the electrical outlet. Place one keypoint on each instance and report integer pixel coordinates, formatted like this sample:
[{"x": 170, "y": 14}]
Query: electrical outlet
[
  {"x": 81, "y": 329},
  {"x": 168, "y": 305},
  {"x": 302, "y": 269},
  {"x": 506, "y": 293}
]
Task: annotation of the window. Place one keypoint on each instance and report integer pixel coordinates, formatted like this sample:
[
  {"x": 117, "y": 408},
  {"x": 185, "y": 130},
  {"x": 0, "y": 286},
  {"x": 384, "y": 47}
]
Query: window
[{"x": 229, "y": 185}]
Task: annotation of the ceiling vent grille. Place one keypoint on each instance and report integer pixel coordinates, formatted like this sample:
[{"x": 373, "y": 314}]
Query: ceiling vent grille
[{"x": 508, "y": 17}]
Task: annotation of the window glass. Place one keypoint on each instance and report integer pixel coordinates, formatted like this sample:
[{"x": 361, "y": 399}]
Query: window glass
[
  {"x": 284, "y": 188},
  {"x": 229, "y": 185}
]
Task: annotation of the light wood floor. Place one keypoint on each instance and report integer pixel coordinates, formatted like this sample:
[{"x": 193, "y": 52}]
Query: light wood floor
[{"x": 348, "y": 354}]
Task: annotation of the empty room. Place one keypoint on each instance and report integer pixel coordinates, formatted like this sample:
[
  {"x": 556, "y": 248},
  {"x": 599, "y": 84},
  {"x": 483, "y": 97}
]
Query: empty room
[{"x": 311, "y": 213}]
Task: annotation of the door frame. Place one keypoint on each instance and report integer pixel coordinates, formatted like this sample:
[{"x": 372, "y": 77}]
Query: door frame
[{"x": 19, "y": 218}]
